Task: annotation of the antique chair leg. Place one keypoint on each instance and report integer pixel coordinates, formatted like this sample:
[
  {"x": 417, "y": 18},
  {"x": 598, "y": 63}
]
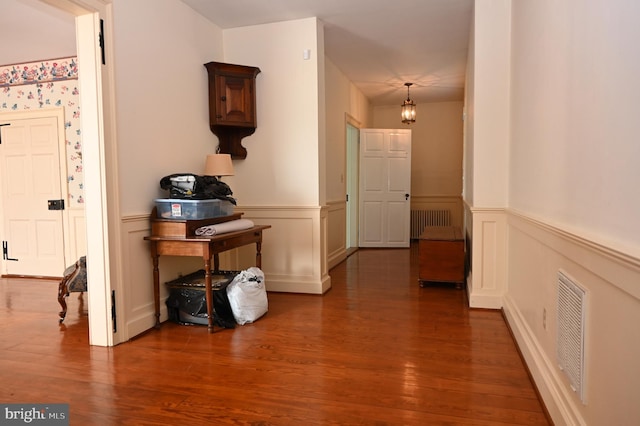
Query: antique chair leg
[
  {"x": 81, "y": 303},
  {"x": 74, "y": 280},
  {"x": 62, "y": 294}
]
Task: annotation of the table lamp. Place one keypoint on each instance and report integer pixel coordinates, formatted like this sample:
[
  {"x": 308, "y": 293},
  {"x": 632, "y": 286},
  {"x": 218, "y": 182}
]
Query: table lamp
[{"x": 218, "y": 165}]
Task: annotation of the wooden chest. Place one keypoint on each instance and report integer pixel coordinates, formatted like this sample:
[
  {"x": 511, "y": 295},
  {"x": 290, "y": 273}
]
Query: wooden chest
[{"x": 441, "y": 252}]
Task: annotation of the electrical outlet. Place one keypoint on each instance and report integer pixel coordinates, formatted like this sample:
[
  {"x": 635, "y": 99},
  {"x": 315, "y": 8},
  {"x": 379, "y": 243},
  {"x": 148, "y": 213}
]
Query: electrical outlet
[{"x": 544, "y": 318}]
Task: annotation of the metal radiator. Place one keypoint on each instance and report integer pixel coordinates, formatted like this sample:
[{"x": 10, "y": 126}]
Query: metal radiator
[{"x": 420, "y": 219}]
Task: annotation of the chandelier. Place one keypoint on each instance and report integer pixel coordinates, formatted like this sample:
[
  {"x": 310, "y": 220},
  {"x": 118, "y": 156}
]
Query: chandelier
[{"x": 408, "y": 108}]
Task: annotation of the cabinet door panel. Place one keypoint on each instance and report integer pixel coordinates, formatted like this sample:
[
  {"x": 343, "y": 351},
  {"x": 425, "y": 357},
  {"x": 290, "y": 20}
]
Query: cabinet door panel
[{"x": 235, "y": 103}]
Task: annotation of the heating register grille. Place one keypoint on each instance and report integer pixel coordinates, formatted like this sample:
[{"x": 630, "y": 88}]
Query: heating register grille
[
  {"x": 571, "y": 332},
  {"x": 420, "y": 219}
]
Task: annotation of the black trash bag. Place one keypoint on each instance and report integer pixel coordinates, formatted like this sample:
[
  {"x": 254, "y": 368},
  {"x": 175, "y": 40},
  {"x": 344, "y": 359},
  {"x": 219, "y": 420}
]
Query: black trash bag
[
  {"x": 194, "y": 303},
  {"x": 223, "y": 313},
  {"x": 205, "y": 188}
]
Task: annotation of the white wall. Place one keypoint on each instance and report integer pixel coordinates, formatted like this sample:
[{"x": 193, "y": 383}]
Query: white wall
[
  {"x": 490, "y": 103},
  {"x": 573, "y": 198},
  {"x": 486, "y": 152},
  {"x": 575, "y": 124},
  {"x": 161, "y": 95},
  {"x": 343, "y": 100},
  {"x": 469, "y": 117},
  {"x": 282, "y": 164},
  {"x": 282, "y": 181},
  {"x": 162, "y": 118},
  {"x": 163, "y": 128}
]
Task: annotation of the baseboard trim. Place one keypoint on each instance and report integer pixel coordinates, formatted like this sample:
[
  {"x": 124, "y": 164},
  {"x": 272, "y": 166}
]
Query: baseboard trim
[
  {"x": 298, "y": 286},
  {"x": 526, "y": 366},
  {"x": 336, "y": 258},
  {"x": 550, "y": 389}
]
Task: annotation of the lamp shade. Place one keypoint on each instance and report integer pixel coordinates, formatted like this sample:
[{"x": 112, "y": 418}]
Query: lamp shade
[{"x": 218, "y": 165}]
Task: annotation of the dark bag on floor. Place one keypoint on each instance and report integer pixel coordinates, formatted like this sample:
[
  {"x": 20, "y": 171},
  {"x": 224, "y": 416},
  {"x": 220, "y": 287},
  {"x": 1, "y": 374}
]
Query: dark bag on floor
[{"x": 187, "y": 303}]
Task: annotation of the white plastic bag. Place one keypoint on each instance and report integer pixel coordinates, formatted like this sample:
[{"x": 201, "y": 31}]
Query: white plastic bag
[{"x": 248, "y": 296}]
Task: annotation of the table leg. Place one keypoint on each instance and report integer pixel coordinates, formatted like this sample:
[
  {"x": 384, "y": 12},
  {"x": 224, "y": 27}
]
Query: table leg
[
  {"x": 207, "y": 288},
  {"x": 259, "y": 254},
  {"x": 156, "y": 282}
]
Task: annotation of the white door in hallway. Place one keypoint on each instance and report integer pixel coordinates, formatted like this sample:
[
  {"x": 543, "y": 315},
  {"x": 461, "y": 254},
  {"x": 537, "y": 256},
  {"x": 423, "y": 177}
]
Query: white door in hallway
[
  {"x": 385, "y": 187},
  {"x": 32, "y": 235}
]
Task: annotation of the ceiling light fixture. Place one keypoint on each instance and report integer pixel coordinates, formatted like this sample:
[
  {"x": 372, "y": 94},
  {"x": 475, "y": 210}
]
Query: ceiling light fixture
[{"x": 408, "y": 108}]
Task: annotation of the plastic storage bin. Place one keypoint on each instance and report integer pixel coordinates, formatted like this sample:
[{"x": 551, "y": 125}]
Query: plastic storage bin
[{"x": 185, "y": 209}]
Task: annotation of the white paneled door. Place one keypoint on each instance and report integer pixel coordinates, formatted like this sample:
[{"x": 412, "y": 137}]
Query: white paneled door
[
  {"x": 31, "y": 233},
  {"x": 385, "y": 187}
]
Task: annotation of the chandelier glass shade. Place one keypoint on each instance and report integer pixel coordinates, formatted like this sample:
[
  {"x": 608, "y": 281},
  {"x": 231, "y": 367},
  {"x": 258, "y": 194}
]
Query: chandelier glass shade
[{"x": 408, "y": 108}]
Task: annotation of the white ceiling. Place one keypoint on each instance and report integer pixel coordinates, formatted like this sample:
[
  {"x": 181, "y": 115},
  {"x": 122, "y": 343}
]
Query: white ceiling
[{"x": 378, "y": 44}]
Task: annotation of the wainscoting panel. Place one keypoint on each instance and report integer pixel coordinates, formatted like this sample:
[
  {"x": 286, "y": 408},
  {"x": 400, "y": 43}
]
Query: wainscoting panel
[
  {"x": 337, "y": 232},
  {"x": 135, "y": 306},
  {"x": 487, "y": 283},
  {"x": 611, "y": 278},
  {"x": 294, "y": 249}
]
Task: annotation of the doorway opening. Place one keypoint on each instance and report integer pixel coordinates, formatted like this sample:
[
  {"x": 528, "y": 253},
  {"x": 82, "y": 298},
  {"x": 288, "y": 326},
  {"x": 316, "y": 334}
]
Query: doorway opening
[
  {"x": 94, "y": 44},
  {"x": 353, "y": 170}
]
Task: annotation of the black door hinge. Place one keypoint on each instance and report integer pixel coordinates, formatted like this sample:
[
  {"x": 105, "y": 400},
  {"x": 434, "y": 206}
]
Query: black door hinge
[
  {"x": 101, "y": 40},
  {"x": 3, "y": 124},
  {"x": 113, "y": 311},
  {"x": 5, "y": 251}
]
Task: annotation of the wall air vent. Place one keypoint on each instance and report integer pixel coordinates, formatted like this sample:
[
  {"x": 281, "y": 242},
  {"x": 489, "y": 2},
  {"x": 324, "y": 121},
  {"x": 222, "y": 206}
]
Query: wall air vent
[{"x": 571, "y": 332}]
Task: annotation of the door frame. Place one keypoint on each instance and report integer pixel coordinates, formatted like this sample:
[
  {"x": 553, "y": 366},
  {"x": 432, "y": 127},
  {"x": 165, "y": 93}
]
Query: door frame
[
  {"x": 58, "y": 114},
  {"x": 97, "y": 97},
  {"x": 352, "y": 160}
]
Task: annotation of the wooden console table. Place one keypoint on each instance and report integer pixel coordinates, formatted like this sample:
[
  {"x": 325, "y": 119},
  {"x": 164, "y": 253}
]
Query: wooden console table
[
  {"x": 441, "y": 252},
  {"x": 177, "y": 238}
]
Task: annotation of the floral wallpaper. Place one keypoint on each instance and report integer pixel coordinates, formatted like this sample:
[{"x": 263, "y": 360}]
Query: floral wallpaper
[{"x": 44, "y": 84}]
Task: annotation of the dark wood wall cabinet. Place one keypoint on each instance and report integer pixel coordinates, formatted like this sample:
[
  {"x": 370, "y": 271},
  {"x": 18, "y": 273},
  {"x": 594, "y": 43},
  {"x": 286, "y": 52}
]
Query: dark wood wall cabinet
[{"x": 232, "y": 105}]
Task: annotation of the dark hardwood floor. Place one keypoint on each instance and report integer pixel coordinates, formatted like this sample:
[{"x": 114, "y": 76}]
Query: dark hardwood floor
[{"x": 375, "y": 350}]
